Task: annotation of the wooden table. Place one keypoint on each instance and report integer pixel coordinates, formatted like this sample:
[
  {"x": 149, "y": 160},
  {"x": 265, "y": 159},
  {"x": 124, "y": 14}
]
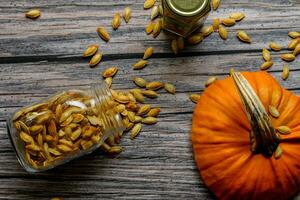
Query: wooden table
[{"x": 40, "y": 57}]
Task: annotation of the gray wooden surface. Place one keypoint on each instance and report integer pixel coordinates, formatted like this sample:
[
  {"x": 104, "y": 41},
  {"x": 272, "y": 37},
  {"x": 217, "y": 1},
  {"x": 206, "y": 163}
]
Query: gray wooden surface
[{"x": 39, "y": 57}]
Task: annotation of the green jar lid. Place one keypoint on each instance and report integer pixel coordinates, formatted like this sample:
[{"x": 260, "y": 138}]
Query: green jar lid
[{"x": 187, "y": 7}]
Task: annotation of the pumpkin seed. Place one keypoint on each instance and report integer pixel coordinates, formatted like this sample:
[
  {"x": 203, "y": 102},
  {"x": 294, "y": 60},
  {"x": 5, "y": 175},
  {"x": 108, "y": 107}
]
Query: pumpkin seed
[
  {"x": 278, "y": 153},
  {"x": 293, "y": 43},
  {"x": 120, "y": 108},
  {"x": 108, "y": 81},
  {"x": 91, "y": 50},
  {"x": 138, "y": 96},
  {"x": 110, "y": 72},
  {"x": 276, "y": 96},
  {"x": 243, "y": 36},
  {"x": 88, "y": 131},
  {"x": 215, "y": 4},
  {"x": 26, "y": 137},
  {"x": 170, "y": 88},
  {"x": 206, "y": 30},
  {"x": 153, "y": 112},
  {"x": 135, "y": 130},
  {"x": 140, "y": 82},
  {"x": 127, "y": 14},
  {"x": 228, "y": 21},
  {"x": 285, "y": 130},
  {"x": 210, "y": 81},
  {"x": 95, "y": 59},
  {"x": 103, "y": 33},
  {"x": 216, "y": 24},
  {"x": 86, "y": 144},
  {"x": 194, "y": 97},
  {"x": 274, "y": 46},
  {"x": 33, "y": 147},
  {"x": 288, "y": 57},
  {"x": 273, "y": 111},
  {"x": 149, "y": 4},
  {"x": 24, "y": 127},
  {"x": 76, "y": 134},
  {"x": 266, "y": 54},
  {"x": 223, "y": 32},
  {"x": 154, "y": 12},
  {"x": 266, "y": 65},
  {"x": 155, "y": 85},
  {"x": 294, "y": 34},
  {"x": 43, "y": 118},
  {"x": 54, "y": 152},
  {"x": 115, "y": 150},
  {"x": 285, "y": 72},
  {"x": 149, "y": 28},
  {"x": 105, "y": 147},
  {"x": 180, "y": 43},
  {"x": 149, "y": 120},
  {"x": 174, "y": 46},
  {"x": 238, "y": 16},
  {"x": 148, "y": 53},
  {"x": 297, "y": 50},
  {"x": 33, "y": 14},
  {"x": 157, "y": 28},
  {"x": 137, "y": 119},
  {"x": 144, "y": 109},
  {"x": 36, "y": 129},
  {"x": 52, "y": 127},
  {"x": 131, "y": 116},
  {"x": 140, "y": 64},
  {"x": 116, "y": 22},
  {"x": 150, "y": 93},
  {"x": 68, "y": 112},
  {"x": 66, "y": 142},
  {"x": 195, "y": 39}
]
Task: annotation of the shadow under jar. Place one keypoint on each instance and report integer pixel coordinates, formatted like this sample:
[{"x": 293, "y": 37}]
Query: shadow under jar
[{"x": 63, "y": 127}]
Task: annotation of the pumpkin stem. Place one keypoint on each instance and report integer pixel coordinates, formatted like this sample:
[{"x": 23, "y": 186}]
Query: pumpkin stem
[{"x": 263, "y": 137}]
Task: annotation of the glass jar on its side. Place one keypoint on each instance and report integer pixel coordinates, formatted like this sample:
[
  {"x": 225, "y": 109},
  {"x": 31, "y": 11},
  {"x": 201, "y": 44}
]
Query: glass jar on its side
[
  {"x": 182, "y": 17},
  {"x": 63, "y": 127}
]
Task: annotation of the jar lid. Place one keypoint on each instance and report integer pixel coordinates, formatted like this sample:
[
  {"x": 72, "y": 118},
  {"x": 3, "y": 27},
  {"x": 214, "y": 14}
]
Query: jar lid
[{"x": 187, "y": 8}]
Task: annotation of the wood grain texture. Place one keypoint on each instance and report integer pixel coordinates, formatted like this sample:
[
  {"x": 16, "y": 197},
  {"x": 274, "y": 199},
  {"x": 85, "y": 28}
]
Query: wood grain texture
[{"x": 40, "y": 57}]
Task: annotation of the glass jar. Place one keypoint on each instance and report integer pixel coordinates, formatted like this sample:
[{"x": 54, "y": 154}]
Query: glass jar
[
  {"x": 182, "y": 17},
  {"x": 64, "y": 126}
]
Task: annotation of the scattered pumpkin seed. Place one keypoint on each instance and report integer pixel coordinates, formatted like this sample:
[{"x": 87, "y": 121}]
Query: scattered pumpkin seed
[
  {"x": 243, "y": 36},
  {"x": 238, "y": 16},
  {"x": 285, "y": 130},
  {"x": 127, "y": 14},
  {"x": 95, "y": 59},
  {"x": 223, "y": 32},
  {"x": 216, "y": 24},
  {"x": 116, "y": 22},
  {"x": 155, "y": 85},
  {"x": 154, "y": 12},
  {"x": 148, "y": 53},
  {"x": 215, "y": 4},
  {"x": 294, "y": 34},
  {"x": 174, "y": 46},
  {"x": 170, "y": 88},
  {"x": 135, "y": 130},
  {"x": 278, "y": 153},
  {"x": 195, "y": 39},
  {"x": 140, "y": 82},
  {"x": 289, "y": 57},
  {"x": 266, "y": 54},
  {"x": 210, "y": 80},
  {"x": 293, "y": 43},
  {"x": 275, "y": 46},
  {"x": 228, "y": 21},
  {"x": 297, "y": 50},
  {"x": 110, "y": 72},
  {"x": 149, "y": 28},
  {"x": 140, "y": 64},
  {"x": 157, "y": 28},
  {"x": 153, "y": 112},
  {"x": 149, "y": 4},
  {"x": 285, "y": 72},
  {"x": 273, "y": 111},
  {"x": 206, "y": 30},
  {"x": 276, "y": 96},
  {"x": 138, "y": 96},
  {"x": 266, "y": 65},
  {"x": 103, "y": 33},
  {"x": 150, "y": 93},
  {"x": 149, "y": 120},
  {"x": 195, "y": 97},
  {"x": 180, "y": 43},
  {"x": 90, "y": 50},
  {"x": 33, "y": 14}
]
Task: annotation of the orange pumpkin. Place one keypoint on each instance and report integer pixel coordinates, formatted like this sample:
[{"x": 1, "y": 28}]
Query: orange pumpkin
[{"x": 234, "y": 144}]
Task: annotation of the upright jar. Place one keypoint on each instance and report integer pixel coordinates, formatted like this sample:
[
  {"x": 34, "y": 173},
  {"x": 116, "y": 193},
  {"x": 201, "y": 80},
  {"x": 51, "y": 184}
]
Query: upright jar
[
  {"x": 182, "y": 17},
  {"x": 63, "y": 127}
]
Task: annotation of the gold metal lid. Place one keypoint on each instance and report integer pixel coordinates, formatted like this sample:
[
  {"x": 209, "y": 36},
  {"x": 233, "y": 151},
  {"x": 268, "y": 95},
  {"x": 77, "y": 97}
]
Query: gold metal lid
[{"x": 187, "y": 7}]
